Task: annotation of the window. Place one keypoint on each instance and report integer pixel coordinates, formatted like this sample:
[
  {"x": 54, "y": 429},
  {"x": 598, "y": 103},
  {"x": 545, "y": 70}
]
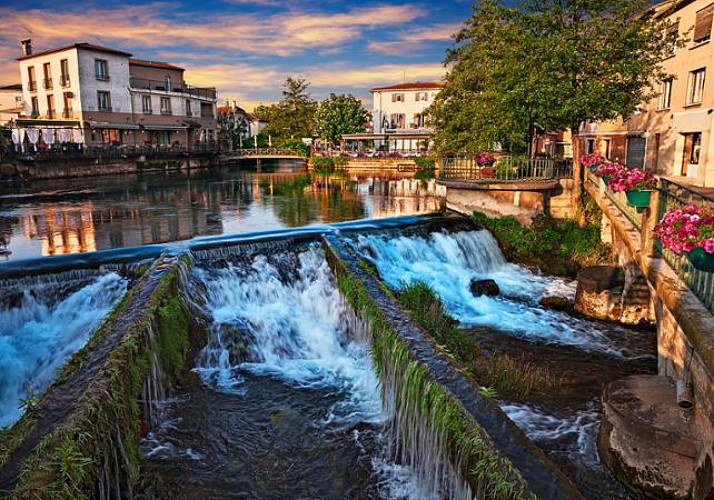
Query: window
[
  {"x": 188, "y": 108},
  {"x": 146, "y": 104},
  {"x": 47, "y": 74},
  {"x": 605, "y": 147},
  {"x": 165, "y": 106},
  {"x": 67, "y": 98},
  {"x": 50, "y": 106},
  {"x": 703, "y": 24},
  {"x": 35, "y": 107},
  {"x": 64, "y": 73},
  {"x": 672, "y": 35},
  {"x": 104, "y": 101},
  {"x": 591, "y": 146},
  {"x": 421, "y": 96},
  {"x": 665, "y": 94},
  {"x": 419, "y": 120},
  {"x": 167, "y": 83},
  {"x": 695, "y": 86},
  {"x": 101, "y": 69},
  {"x": 31, "y": 80},
  {"x": 397, "y": 120},
  {"x": 398, "y": 97},
  {"x": 18, "y": 101}
]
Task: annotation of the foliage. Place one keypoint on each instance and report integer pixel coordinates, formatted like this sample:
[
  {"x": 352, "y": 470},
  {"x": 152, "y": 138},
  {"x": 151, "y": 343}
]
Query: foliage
[
  {"x": 339, "y": 161},
  {"x": 632, "y": 179},
  {"x": 323, "y": 162},
  {"x": 294, "y": 116},
  {"x": 340, "y": 114},
  {"x": 683, "y": 229},
  {"x": 425, "y": 162},
  {"x": 557, "y": 63},
  {"x": 296, "y": 146},
  {"x": 559, "y": 247},
  {"x": 231, "y": 126}
]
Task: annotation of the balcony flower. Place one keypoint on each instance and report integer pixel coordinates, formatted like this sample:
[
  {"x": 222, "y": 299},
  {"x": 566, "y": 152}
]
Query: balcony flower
[
  {"x": 608, "y": 169},
  {"x": 632, "y": 179},
  {"x": 687, "y": 228},
  {"x": 485, "y": 159},
  {"x": 592, "y": 160}
]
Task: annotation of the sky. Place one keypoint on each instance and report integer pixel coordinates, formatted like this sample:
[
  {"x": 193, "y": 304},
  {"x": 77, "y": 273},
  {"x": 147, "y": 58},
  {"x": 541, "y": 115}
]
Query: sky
[{"x": 246, "y": 48}]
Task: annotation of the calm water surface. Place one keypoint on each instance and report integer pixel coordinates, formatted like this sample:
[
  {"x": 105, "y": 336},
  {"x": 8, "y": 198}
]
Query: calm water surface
[{"x": 57, "y": 217}]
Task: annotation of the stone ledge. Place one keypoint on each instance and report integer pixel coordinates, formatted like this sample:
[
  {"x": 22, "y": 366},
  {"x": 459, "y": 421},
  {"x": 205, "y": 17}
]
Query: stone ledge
[{"x": 496, "y": 185}]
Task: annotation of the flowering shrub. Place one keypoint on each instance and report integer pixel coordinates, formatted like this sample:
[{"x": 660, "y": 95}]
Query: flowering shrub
[
  {"x": 485, "y": 159},
  {"x": 592, "y": 160},
  {"x": 608, "y": 169},
  {"x": 683, "y": 229},
  {"x": 632, "y": 179}
]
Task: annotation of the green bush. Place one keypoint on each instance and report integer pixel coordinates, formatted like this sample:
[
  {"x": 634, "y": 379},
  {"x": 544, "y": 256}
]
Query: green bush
[
  {"x": 323, "y": 163},
  {"x": 425, "y": 162},
  {"x": 339, "y": 161},
  {"x": 296, "y": 146}
]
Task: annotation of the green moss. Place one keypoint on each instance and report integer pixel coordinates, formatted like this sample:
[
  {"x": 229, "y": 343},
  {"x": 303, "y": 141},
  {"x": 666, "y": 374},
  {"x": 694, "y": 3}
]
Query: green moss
[
  {"x": 558, "y": 247},
  {"x": 465, "y": 442}
]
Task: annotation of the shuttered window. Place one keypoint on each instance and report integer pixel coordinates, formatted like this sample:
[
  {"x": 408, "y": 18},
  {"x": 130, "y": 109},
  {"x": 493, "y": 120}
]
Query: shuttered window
[
  {"x": 703, "y": 24},
  {"x": 672, "y": 35}
]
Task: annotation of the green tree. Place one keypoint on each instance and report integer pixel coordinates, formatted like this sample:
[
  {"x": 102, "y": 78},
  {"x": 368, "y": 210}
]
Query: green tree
[
  {"x": 558, "y": 63},
  {"x": 340, "y": 114},
  {"x": 294, "y": 116}
]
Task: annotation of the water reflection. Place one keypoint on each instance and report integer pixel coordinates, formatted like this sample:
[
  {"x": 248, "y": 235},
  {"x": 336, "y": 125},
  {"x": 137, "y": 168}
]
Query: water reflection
[{"x": 83, "y": 215}]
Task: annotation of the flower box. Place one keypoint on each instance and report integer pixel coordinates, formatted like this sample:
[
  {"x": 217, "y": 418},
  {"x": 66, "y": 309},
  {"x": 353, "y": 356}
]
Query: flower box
[
  {"x": 639, "y": 198},
  {"x": 689, "y": 229},
  {"x": 701, "y": 260}
]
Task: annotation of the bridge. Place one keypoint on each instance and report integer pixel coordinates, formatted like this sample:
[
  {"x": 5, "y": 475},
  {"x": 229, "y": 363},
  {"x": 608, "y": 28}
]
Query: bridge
[{"x": 262, "y": 154}]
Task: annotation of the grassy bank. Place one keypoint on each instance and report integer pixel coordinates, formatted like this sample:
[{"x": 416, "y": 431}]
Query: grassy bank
[
  {"x": 504, "y": 375},
  {"x": 557, "y": 247}
]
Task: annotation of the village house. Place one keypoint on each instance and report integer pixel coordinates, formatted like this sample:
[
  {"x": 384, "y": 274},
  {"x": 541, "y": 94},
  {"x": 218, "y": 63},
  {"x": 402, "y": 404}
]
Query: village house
[
  {"x": 99, "y": 96},
  {"x": 11, "y": 103},
  {"x": 672, "y": 133}
]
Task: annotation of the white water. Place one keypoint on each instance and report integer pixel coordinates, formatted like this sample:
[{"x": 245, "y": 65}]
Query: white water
[
  {"x": 449, "y": 262},
  {"x": 299, "y": 330},
  {"x": 39, "y": 337}
]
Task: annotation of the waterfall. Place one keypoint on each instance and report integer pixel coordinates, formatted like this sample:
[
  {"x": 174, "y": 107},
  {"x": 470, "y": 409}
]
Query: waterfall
[
  {"x": 449, "y": 262},
  {"x": 43, "y": 322}
]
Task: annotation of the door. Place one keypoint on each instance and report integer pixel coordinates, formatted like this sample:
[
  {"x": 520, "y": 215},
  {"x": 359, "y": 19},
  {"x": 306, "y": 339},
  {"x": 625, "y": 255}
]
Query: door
[{"x": 636, "y": 151}]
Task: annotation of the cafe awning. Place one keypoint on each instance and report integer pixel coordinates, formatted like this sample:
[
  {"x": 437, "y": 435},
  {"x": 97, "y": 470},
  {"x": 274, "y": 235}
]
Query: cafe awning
[{"x": 109, "y": 125}]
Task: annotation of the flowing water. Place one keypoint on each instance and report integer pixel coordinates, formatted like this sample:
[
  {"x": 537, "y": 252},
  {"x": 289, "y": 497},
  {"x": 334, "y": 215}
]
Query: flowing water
[
  {"x": 585, "y": 354},
  {"x": 288, "y": 404},
  {"x": 64, "y": 216},
  {"x": 43, "y": 322}
]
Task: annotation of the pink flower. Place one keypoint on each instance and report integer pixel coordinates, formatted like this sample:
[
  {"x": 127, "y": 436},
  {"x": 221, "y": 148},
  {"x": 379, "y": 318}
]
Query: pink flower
[{"x": 687, "y": 227}]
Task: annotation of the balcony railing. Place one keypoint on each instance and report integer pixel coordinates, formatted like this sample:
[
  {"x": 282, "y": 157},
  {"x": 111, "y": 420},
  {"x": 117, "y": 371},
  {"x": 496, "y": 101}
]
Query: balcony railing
[
  {"x": 47, "y": 83},
  {"x": 67, "y": 113},
  {"x": 505, "y": 169},
  {"x": 179, "y": 88},
  {"x": 619, "y": 199},
  {"x": 32, "y": 86},
  {"x": 166, "y": 112},
  {"x": 64, "y": 81},
  {"x": 701, "y": 283},
  {"x": 51, "y": 114}
]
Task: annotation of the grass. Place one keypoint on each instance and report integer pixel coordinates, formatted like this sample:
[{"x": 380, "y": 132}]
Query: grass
[
  {"x": 418, "y": 396},
  {"x": 557, "y": 247},
  {"x": 507, "y": 376}
]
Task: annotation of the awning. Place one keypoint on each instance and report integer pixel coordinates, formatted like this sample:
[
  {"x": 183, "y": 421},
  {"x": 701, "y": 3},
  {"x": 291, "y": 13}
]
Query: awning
[
  {"x": 364, "y": 137},
  {"x": 33, "y": 122},
  {"x": 191, "y": 124},
  {"x": 165, "y": 127},
  {"x": 112, "y": 126}
]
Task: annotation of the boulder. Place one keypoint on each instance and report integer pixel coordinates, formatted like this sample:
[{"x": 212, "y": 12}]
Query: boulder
[
  {"x": 613, "y": 294},
  {"x": 557, "y": 303},
  {"x": 484, "y": 287}
]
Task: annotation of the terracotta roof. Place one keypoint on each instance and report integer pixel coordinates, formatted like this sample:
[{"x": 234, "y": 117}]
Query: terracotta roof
[
  {"x": 81, "y": 45},
  {"x": 154, "y": 64},
  {"x": 14, "y": 86},
  {"x": 411, "y": 86}
]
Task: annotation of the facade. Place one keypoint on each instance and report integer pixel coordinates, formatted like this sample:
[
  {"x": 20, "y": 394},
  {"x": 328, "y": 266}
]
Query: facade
[
  {"x": 399, "y": 110},
  {"x": 112, "y": 98},
  {"x": 11, "y": 103},
  {"x": 672, "y": 133}
]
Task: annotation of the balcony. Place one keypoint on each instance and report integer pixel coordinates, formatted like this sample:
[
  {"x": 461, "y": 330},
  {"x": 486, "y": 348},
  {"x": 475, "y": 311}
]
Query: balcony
[
  {"x": 47, "y": 83},
  {"x": 166, "y": 112},
  {"x": 179, "y": 88},
  {"x": 64, "y": 81},
  {"x": 67, "y": 113},
  {"x": 51, "y": 114},
  {"x": 32, "y": 86}
]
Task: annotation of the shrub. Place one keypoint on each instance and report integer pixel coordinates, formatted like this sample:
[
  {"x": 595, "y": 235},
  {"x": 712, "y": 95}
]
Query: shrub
[{"x": 425, "y": 162}]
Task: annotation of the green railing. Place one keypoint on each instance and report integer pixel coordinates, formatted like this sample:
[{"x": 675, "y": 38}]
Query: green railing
[
  {"x": 701, "y": 283},
  {"x": 619, "y": 199},
  {"x": 505, "y": 169}
]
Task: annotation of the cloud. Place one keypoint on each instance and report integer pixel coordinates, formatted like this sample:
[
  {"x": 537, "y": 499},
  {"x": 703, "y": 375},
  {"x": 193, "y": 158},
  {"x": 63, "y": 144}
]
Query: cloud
[
  {"x": 367, "y": 77},
  {"x": 410, "y": 41}
]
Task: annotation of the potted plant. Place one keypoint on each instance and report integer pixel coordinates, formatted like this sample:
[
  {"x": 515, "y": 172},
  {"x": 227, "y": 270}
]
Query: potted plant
[
  {"x": 636, "y": 183},
  {"x": 689, "y": 229},
  {"x": 485, "y": 159},
  {"x": 607, "y": 170},
  {"x": 592, "y": 160}
]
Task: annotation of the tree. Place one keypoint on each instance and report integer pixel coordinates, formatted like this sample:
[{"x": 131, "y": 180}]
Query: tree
[
  {"x": 340, "y": 114},
  {"x": 294, "y": 116},
  {"x": 558, "y": 63}
]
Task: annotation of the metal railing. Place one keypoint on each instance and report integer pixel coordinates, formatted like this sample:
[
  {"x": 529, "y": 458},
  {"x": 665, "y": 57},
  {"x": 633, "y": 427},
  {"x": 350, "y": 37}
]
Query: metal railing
[
  {"x": 505, "y": 169},
  {"x": 701, "y": 283},
  {"x": 32, "y": 86},
  {"x": 265, "y": 152},
  {"x": 619, "y": 199},
  {"x": 47, "y": 83},
  {"x": 58, "y": 151},
  {"x": 64, "y": 81},
  {"x": 180, "y": 88}
]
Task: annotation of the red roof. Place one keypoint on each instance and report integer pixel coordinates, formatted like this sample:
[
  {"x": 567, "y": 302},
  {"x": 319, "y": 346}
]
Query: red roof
[
  {"x": 81, "y": 45},
  {"x": 154, "y": 64},
  {"x": 412, "y": 86}
]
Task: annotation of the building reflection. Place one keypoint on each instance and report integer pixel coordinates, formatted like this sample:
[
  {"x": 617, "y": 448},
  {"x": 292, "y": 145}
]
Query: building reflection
[{"x": 133, "y": 213}]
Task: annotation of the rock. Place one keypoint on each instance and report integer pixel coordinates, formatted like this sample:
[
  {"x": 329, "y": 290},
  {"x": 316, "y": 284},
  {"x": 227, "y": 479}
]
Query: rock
[
  {"x": 648, "y": 442},
  {"x": 613, "y": 294},
  {"x": 484, "y": 287},
  {"x": 557, "y": 303}
]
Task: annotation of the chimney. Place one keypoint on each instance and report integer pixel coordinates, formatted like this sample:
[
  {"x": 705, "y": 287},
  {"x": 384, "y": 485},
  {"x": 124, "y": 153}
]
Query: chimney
[{"x": 26, "y": 47}]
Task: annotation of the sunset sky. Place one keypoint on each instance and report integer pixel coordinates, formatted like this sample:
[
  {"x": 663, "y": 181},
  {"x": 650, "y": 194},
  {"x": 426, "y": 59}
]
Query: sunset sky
[{"x": 247, "y": 48}]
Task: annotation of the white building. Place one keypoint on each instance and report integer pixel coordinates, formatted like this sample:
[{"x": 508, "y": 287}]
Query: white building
[
  {"x": 398, "y": 110},
  {"x": 112, "y": 98},
  {"x": 11, "y": 103}
]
